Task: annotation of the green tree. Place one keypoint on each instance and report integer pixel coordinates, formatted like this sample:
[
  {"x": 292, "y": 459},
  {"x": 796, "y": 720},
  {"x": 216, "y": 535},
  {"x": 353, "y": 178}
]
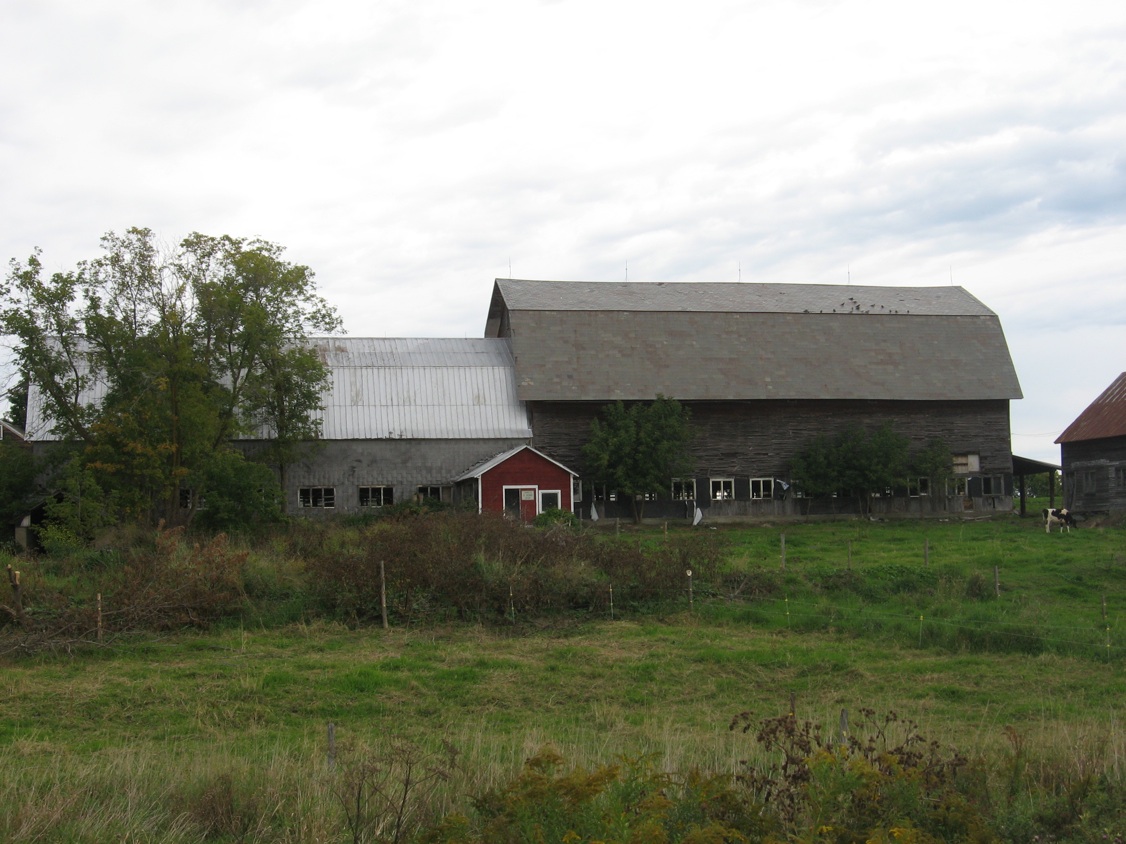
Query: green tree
[
  {"x": 19, "y": 490},
  {"x": 637, "y": 450},
  {"x": 187, "y": 346},
  {"x": 856, "y": 462}
]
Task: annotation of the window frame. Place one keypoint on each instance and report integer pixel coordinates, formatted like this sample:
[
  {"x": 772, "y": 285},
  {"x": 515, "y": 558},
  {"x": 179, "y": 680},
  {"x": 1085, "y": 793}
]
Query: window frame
[
  {"x": 687, "y": 485},
  {"x": 316, "y": 498},
  {"x": 728, "y": 483},
  {"x": 386, "y": 495},
  {"x": 765, "y": 493}
]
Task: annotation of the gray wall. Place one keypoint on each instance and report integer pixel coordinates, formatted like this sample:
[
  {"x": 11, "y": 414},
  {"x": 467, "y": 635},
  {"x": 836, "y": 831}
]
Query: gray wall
[{"x": 404, "y": 464}]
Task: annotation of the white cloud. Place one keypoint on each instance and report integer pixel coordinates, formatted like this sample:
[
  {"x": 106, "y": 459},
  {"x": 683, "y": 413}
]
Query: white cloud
[{"x": 411, "y": 151}]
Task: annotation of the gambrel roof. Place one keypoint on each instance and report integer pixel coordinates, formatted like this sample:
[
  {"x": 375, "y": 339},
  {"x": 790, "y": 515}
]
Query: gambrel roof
[
  {"x": 601, "y": 341},
  {"x": 1104, "y": 417}
]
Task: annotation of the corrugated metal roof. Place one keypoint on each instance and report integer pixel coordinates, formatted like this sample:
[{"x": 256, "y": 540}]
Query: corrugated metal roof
[
  {"x": 398, "y": 388},
  {"x": 420, "y": 389},
  {"x": 1104, "y": 417},
  {"x": 596, "y": 341}
]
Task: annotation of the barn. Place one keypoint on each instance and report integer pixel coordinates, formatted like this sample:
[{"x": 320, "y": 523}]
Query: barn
[
  {"x": 1093, "y": 454},
  {"x": 764, "y": 368}
]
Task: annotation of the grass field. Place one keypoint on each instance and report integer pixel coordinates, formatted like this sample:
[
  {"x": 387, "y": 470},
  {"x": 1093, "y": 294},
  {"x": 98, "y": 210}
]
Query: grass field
[{"x": 997, "y": 639}]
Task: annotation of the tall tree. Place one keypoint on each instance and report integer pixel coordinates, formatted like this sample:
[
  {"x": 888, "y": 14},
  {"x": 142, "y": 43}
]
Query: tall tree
[
  {"x": 637, "y": 450},
  {"x": 189, "y": 346}
]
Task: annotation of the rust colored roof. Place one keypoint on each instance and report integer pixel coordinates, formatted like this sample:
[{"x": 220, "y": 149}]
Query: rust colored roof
[{"x": 1104, "y": 417}]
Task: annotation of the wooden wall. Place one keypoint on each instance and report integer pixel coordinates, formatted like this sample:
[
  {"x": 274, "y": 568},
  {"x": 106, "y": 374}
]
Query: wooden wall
[
  {"x": 759, "y": 438},
  {"x": 1094, "y": 474}
]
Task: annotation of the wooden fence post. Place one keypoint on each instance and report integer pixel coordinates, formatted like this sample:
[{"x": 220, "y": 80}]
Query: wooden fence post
[
  {"x": 997, "y": 581},
  {"x": 691, "y": 604},
  {"x": 331, "y": 754},
  {"x": 783, "y": 552},
  {"x": 383, "y": 593},
  {"x": 17, "y": 595},
  {"x": 99, "y": 616}
]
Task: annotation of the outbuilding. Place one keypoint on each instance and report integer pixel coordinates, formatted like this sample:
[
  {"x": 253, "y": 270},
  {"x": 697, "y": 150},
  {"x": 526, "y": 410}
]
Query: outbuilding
[
  {"x": 1093, "y": 454},
  {"x": 521, "y": 482}
]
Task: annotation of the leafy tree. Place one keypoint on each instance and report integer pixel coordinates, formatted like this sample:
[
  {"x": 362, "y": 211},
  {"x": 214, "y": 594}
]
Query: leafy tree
[
  {"x": 19, "y": 491},
  {"x": 638, "y": 450},
  {"x": 17, "y": 403},
  {"x": 857, "y": 462},
  {"x": 192, "y": 346},
  {"x": 234, "y": 494}
]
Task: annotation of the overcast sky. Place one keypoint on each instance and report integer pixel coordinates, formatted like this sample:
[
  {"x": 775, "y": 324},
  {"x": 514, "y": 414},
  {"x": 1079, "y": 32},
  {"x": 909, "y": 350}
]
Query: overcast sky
[{"x": 412, "y": 152}]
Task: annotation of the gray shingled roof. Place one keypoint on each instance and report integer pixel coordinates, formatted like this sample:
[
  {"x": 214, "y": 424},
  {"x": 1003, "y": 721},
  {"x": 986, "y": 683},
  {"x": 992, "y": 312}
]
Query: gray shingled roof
[{"x": 598, "y": 341}]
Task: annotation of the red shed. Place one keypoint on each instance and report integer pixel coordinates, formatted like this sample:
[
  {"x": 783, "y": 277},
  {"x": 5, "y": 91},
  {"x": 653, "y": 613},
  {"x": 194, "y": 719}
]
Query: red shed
[{"x": 521, "y": 481}]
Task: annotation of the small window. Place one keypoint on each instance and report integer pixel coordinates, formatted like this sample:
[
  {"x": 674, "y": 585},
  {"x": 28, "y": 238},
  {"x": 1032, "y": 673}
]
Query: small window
[
  {"x": 433, "y": 493},
  {"x": 956, "y": 486},
  {"x": 1120, "y": 477},
  {"x": 723, "y": 489},
  {"x": 762, "y": 488},
  {"x": 376, "y": 496},
  {"x": 964, "y": 464},
  {"x": 919, "y": 487},
  {"x": 576, "y": 489},
  {"x": 549, "y": 500},
  {"x": 320, "y": 497},
  {"x": 684, "y": 489},
  {"x": 992, "y": 485}
]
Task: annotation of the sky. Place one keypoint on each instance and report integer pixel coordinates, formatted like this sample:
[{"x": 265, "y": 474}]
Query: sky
[{"x": 412, "y": 152}]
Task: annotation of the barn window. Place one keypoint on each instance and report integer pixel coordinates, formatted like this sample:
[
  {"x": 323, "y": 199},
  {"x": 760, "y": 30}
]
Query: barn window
[
  {"x": 684, "y": 489},
  {"x": 762, "y": 488},
  {"x": 918, "y": 487},
  {"x": 431, "y": 492},
  {"x": 964, "y": 464},
  {"x": 956, "y": 486},
  {"x": 1120, "y": 477},
  {"x": 376, "y": 496},
  {"x": 317, "y": 496},
  {"x": 992, "y": 485},
  {"x": 723, "y": 489},
  {"x": 550, "y": 500}
]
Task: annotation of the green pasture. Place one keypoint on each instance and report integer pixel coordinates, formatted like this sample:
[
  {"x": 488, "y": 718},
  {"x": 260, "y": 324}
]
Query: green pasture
[{"x": 992, "y": 636}]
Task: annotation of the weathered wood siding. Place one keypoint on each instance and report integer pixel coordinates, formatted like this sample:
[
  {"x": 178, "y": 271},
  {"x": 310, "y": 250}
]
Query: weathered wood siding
[
  {"x": 759, "y": 438},
  {"x": 1094, "y": 474}
]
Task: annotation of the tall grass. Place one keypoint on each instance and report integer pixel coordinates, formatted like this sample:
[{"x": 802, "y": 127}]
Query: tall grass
[{"x": 221, "y": 733}]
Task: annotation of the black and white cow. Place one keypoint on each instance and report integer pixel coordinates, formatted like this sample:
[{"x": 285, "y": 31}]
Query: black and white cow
[{"x": 1057, "y": 516}]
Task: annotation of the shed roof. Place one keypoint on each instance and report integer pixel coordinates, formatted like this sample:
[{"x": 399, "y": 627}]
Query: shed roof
[
  {"x": 601, "y": 341},
  {"x": 1104, "y": 417},
  {"x": 483, "y": 467}
]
